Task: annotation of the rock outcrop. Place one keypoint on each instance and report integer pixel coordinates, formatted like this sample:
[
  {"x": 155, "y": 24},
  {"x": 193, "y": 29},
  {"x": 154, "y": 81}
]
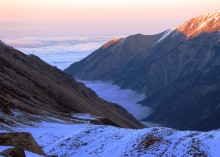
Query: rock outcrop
[{"x": 19, "y": 142}]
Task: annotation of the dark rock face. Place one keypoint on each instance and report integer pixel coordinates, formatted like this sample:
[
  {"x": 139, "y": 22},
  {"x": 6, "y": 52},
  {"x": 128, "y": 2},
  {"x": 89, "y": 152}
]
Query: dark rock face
[
  {"x": 15, "y": 152},
  {"x": 177, "y": 69},
  {"x": 190, "y": 102},
  {"x": 36, "y": 89}
]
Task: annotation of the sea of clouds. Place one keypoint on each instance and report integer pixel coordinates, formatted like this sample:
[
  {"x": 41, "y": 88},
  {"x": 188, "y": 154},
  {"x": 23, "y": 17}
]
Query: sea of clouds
[
  {"x": 125, "y": 97},
  {"x": 63, "y": 51},
  {"x": 58, "y": 51}
]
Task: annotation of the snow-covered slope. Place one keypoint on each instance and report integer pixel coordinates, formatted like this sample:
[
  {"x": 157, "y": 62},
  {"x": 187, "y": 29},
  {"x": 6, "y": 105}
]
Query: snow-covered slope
[
  {"x": 79, "y": 140},
  {"x": 207, "y": 23},
  {"x": 201, "y": 24},
  {"x": 30, "y": 154}
]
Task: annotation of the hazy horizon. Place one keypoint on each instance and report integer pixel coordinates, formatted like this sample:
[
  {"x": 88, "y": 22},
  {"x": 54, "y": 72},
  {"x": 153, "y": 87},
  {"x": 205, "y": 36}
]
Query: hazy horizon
[
  {"x": 58, "y": 51},
  {"x": 84, "y": 17}
]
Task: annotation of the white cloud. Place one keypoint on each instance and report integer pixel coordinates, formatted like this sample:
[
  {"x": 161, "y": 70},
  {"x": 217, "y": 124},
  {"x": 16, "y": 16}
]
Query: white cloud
[
  {"x": 126, "y": 98},
  {"x": 27, "y": 42},
  {"x": 62, "y": 48},
  {"x": 58, "y": 51}
]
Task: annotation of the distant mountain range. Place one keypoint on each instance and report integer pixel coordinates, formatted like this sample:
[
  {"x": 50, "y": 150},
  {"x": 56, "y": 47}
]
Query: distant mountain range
[{"x": 178, "y": 69}]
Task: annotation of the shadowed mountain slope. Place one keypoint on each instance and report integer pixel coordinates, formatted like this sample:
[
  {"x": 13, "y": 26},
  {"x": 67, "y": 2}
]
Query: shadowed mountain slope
[
  {"x": 36, "y": 90},
  {"x": 104, "y": 63}
]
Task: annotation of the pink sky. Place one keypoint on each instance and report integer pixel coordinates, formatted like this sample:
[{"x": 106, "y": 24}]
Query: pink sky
[{"x": 96, "y": 17}]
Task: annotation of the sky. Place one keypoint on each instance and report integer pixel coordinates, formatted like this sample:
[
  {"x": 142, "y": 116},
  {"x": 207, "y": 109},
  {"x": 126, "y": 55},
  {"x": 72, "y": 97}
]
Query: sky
[{"x": 97, "y": 17}]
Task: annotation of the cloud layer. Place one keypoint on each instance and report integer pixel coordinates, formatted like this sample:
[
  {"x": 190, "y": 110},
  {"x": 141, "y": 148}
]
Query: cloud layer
[
  {"x": 126, "y": 98},
  {"x": 58, "y": 51}
]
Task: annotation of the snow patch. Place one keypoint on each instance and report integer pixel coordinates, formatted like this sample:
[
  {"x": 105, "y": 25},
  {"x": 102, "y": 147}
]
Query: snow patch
[
  {"x": 165, "y": 35},
  {"x": 84, "y": 116},
  {"x": 30, "y": 154},
  {"x": 17, "y": 113},
  {"x": 3, "y": 148}
]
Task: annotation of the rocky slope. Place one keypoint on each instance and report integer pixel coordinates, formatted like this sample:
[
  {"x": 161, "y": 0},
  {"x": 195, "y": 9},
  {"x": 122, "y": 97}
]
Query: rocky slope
[
  {"x": 207, "y": 23},
  {"x": 178, "y": 70},
  {"x": 192, "y": 100},
  {"x": 31, "y": 90},
  {"x": 193, "y": 96}
]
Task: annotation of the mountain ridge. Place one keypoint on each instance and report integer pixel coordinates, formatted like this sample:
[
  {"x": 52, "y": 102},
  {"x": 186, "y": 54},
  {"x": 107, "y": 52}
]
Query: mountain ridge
[
  {"x": 201, "y": 24},
  {"x": 111, "y": 55}
]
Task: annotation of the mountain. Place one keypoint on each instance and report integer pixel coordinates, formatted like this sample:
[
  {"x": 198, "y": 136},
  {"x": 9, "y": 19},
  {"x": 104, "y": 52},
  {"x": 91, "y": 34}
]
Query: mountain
[
  {"x": 32, "y": 91},
  {"x": 178, "y": 70},
  {"x": 207, "y": 23},
  {"x": 107, "y": 62},
  {"x": 193, "y": 97}
]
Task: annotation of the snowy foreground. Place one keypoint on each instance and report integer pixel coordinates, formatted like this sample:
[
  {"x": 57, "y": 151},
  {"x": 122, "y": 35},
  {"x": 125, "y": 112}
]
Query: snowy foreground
[
  {"x": 85, "y": 140},
  {"x": 27, "y": 153}
]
